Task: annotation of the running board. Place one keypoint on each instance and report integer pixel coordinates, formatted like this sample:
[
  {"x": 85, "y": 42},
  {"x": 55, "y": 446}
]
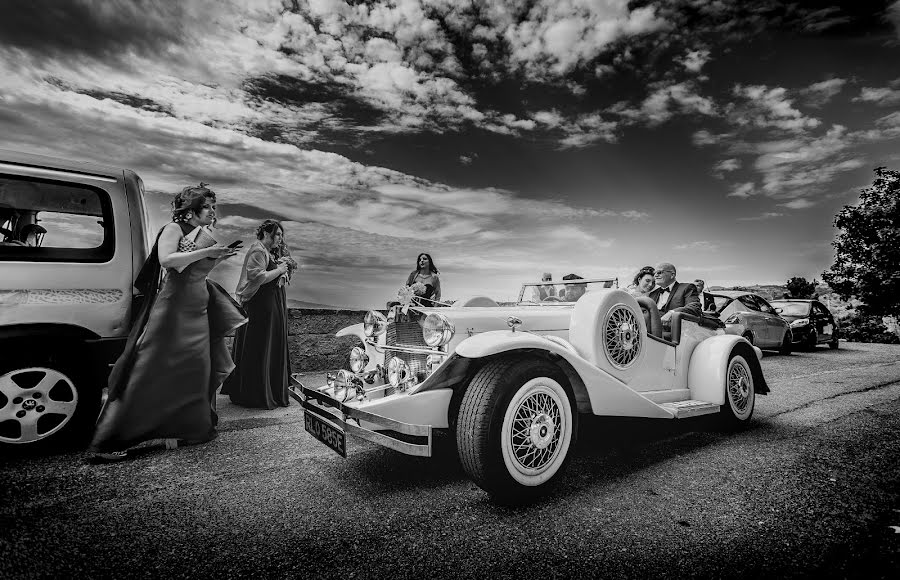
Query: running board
[{"x": 685, "y": 409}]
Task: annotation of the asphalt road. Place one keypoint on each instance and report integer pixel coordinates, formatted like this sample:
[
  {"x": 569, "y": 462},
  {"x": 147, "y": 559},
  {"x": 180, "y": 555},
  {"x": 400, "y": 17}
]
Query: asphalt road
[{"x": 810, "y": 490}]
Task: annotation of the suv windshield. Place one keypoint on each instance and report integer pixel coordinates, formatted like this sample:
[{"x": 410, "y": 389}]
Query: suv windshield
[
  {"x": 565, "y": 292},
  {"x": 793, "y": 308}
]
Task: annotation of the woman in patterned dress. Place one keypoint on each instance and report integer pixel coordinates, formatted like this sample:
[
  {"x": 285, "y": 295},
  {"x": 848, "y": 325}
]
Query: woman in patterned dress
[{"x": 164, "y": 384}]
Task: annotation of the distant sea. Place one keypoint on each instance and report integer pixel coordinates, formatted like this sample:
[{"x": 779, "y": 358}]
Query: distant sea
[{"x": 292, "y": 303}]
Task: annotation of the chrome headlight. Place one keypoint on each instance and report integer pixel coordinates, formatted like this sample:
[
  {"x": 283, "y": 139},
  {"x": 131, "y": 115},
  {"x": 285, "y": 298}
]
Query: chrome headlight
[
  {"x": 437, "y": 330},
  {"x": 358, "y": 359},
  {"x": 800, "y": 322},
  {"x": 374, "y": 324},
  {"x": 398, "y": 372},
  {"x": 433, "y": 362},
  {"x": 343, "y": 386}
]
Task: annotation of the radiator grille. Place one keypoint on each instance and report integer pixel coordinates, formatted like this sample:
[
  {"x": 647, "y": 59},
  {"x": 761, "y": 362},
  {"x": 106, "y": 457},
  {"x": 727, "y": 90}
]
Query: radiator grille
[{"x": 406, "y": 334}]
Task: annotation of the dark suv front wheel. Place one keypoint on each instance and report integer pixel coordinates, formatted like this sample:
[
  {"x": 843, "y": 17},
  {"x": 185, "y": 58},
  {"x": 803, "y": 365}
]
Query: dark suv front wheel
[{"x": 47, "y": 401}]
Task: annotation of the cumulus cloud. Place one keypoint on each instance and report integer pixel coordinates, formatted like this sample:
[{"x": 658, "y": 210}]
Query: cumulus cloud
[
  {"x": 818, "y": 94},
  {"x": 764, "y": 107},
  {"x": 726, "y": 165},
  {"x": 665, "y": 102},
  {"x": 763, "y": 216},
  {"x": 798, "y": 204},
  {"x": 694, "y": 60},
  {"x": 745, "y": 189},
  {"x": 882, "y": 96},
  {"x": 702, "y": 245}
]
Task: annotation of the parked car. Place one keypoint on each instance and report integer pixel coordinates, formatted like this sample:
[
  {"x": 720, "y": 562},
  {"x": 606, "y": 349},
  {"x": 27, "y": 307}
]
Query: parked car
[
  {"x": 510, "y": 382},
  {"x": 72, "y": 239},
  {"x": 811, "y": 322},
  {"x": 750, "y": 316}
]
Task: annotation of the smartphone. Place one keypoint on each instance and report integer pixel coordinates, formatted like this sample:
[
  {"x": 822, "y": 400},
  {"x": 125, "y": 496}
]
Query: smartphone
[{"x": 235, "y": 244}]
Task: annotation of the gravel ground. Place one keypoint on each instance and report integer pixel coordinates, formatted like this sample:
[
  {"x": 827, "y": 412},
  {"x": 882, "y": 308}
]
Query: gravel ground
[{"x": 810, "y": 490}]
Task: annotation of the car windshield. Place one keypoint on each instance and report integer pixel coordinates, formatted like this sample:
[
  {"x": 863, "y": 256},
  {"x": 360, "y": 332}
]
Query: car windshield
[
  {"x": 565, "y": 292},
  {"x": 792, "y": 308},
  {"x": 721, "y": 301}
]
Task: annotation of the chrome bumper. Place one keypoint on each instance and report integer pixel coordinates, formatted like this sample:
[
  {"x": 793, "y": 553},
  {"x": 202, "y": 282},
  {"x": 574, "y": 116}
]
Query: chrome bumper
[{"x": 402, "y": 437}]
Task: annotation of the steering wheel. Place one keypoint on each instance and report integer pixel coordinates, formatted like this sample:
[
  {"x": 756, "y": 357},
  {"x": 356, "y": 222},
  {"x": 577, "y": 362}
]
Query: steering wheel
[{"x": 551, "y": 299}]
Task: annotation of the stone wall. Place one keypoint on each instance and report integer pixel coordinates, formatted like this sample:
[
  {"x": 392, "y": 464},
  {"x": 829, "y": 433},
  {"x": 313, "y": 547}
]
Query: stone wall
[
  {"x": 311, "y": 340},
  {"x": 313, "y": 345}
]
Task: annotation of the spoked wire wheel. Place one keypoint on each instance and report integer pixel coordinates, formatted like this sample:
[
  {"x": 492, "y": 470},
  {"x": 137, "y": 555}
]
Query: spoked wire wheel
[
  {"x": 536, "y": 431},
  {"x": 621, "y": 336},
  {"x": 739, "y": 388}
]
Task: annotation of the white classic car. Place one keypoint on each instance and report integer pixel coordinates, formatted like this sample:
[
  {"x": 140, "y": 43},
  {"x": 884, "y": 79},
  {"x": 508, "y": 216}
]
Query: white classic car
[{"x": 511, "y": 381}]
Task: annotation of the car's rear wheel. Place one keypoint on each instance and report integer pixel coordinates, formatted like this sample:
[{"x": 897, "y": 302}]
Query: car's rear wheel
[
  {"x": 516, "y": 426},
  {"x": 46, "y": 402},
  {"x": 740, "y": 396},
  {"x": 786, "y": 344}
]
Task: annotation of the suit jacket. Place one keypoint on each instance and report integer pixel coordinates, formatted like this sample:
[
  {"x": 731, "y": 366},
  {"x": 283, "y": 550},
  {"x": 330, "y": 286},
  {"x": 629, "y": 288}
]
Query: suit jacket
[
  {"x": 707, "y": 301},
  {"x": 682, "y": 298}
]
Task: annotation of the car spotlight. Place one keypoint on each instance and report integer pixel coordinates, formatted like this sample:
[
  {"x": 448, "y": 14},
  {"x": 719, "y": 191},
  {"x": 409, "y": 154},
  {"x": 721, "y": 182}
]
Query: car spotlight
[
  {"x": 358, "y": 359},
  {"x": 437, "y": 330},
  {"x": 398, "y": 372},
  {"x": 374, "y": 324}
]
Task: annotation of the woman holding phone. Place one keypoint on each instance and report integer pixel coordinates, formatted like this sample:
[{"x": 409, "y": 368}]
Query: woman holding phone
[
  {"x": 164, "y": 384},
  {"x": 260, "y": 379}
]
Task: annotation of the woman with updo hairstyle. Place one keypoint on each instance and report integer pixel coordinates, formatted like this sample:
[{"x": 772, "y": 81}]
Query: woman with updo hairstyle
[
  {"x": 643, "y": 282},
  {"x": 164, "y": 384},
  {"x": 260, "y": 378}
]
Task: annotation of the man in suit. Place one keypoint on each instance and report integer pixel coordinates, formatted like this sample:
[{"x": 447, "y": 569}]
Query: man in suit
[
  {"x": 706, "y": 301},
  {"x": 573, "y": 290},
  {"x": 672, "y": 296}
]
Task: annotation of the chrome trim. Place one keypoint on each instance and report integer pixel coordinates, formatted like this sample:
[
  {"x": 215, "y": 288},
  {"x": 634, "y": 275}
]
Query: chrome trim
[
  {"x": 407, "y": 349},
  {"x": 321, "y": 405}
]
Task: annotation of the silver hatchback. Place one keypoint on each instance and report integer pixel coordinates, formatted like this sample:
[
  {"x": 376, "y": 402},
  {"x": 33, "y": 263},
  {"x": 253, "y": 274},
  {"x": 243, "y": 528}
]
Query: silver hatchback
[{"x": 750, "y": 316}]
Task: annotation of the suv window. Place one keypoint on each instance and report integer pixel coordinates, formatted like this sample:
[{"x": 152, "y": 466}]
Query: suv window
[{"x": 43, "y": 221}]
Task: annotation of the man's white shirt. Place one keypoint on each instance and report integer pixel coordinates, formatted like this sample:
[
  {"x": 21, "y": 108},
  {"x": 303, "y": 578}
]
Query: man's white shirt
[{"x": 664, "y": 296}]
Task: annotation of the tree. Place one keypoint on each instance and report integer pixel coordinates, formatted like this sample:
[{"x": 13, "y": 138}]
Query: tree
[
  {"x": 867, "y": 249},
  {"x": 800, "y": 288}
]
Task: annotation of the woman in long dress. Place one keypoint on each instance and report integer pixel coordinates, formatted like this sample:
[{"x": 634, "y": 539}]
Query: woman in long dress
[
  {"x": 164, "y": 384},
  {"x": 260, "y": 378}
]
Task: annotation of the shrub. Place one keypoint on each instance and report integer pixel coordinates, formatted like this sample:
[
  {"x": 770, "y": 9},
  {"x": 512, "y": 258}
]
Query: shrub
[{"x": 860, "y": 328}]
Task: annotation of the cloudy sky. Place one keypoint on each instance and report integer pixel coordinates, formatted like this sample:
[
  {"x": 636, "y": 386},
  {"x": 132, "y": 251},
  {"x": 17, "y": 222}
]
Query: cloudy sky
[{"x": 504, "y": 137}]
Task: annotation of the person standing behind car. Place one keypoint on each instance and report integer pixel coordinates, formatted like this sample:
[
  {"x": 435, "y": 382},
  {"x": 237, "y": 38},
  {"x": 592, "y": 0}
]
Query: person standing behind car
[
  {"x": 260, "y": 350},
  {"x": 428, "y": 274},
  {"x": 706, "y": 301}
]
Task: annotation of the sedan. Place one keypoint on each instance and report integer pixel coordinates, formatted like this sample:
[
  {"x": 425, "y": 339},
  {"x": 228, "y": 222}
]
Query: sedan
[
  {"x": 811, "y": 322},
  {"x": 750, "y": 316}
]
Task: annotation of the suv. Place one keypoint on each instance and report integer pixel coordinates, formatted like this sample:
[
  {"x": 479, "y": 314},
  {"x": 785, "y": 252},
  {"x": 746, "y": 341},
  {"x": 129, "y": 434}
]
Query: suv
[{"x": 73, "y": 236}]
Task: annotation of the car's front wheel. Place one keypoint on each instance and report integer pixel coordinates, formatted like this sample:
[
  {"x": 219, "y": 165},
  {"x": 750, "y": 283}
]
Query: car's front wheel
[
  {"x": 46, "y": 403},
  {"x": 786, "y": 344},
  {"x": 740, "y": 396},
  {"x": 517, "y": 424}
]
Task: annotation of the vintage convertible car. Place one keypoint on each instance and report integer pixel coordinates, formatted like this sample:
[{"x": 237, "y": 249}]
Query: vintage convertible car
[{"x": 511, "y": 381}]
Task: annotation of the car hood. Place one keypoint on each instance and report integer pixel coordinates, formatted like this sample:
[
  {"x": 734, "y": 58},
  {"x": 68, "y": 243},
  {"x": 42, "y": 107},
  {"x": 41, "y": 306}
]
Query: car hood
[
  {"x": 482, "y": 319},
  {"x": 793, "y": 317}
]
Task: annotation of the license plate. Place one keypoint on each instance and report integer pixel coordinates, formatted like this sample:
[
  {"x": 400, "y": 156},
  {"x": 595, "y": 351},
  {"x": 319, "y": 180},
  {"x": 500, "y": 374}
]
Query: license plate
[{"x": 329, "y": 434}]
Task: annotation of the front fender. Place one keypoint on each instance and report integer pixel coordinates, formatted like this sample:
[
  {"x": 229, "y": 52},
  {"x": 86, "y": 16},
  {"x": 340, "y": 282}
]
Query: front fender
[
  {"x": 709, "y": 362},
  {"x": 606, "y": 394},
  {"x": 357, "y": 330},
  {"x": 497, "y": 341}
]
